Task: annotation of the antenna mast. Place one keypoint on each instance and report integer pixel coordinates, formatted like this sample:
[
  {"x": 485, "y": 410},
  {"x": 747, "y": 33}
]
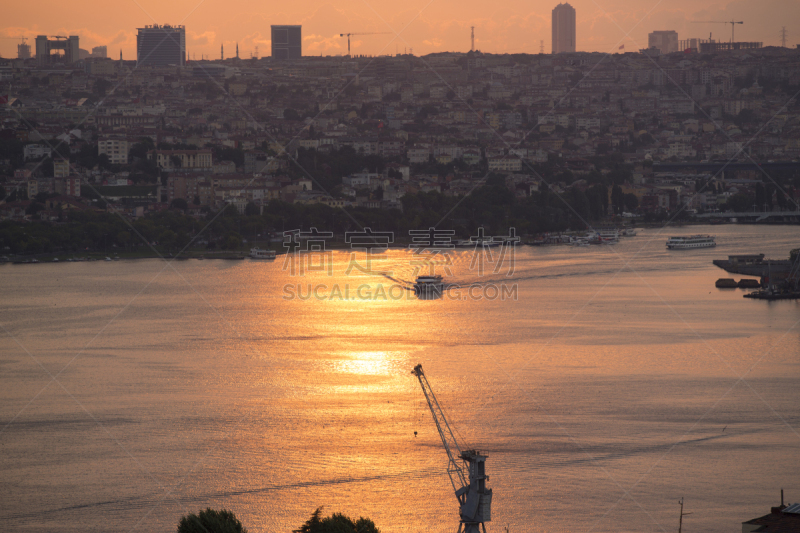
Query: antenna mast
[
  {"x": 680, "y": 522},
  {"x": 783, "y": 37},
  {"x": 472, "y": 37}
]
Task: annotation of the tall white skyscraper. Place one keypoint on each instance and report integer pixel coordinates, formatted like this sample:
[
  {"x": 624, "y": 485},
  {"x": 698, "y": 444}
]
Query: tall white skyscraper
[{"x": 563, "y": 28}]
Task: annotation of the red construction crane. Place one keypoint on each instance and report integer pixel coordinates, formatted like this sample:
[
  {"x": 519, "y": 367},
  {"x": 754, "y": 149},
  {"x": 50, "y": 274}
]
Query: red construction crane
[{"x": 731, "y": 22}]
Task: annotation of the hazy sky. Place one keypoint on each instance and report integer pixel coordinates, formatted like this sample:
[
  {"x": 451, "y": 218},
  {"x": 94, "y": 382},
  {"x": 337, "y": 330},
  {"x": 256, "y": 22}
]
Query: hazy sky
[{"x": 424, "y": 25}]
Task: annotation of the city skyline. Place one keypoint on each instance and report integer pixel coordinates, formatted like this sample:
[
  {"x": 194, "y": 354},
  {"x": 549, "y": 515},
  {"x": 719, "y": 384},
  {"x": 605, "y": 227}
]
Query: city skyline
[{"x": 517, "y": 27}]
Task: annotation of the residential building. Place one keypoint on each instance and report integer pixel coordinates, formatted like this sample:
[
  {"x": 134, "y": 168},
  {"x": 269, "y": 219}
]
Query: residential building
[
  {"x": 116, "y": 148},
  {"x": 182, "y": 159}
]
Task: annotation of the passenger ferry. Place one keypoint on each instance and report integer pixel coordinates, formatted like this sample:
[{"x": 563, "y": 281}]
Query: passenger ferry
[
  {"x": 427, "y": 285},
  {"x": 258, "y": 253},
  {"x": 694, "y": 241}
]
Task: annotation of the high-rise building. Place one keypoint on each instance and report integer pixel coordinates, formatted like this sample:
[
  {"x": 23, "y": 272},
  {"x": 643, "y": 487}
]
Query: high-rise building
[
  {"x": 287, "y": 42},
  {"x": 23, "y": 50},
  {"x": 161, "y": 45},
  {"x": 563, "y": 28},
  {"x": 45, "y": 48},
  {"x": 665, "y": 41},
  {"x": 100, "y": 51}
]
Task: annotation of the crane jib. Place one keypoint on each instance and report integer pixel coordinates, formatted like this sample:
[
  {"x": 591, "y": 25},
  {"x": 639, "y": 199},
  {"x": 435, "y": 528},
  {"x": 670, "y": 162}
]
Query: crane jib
[{"x": 474, "y": 498}]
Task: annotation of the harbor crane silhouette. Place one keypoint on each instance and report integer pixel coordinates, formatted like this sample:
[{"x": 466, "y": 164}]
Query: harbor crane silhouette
[{"x": 474, "y": 499}]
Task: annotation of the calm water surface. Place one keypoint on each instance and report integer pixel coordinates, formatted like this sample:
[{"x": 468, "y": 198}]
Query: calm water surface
[{"x": 608, "y": 389}]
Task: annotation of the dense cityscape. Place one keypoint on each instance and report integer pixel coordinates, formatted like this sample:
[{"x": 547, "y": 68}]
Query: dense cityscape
[{"x": 648, "y": 134}]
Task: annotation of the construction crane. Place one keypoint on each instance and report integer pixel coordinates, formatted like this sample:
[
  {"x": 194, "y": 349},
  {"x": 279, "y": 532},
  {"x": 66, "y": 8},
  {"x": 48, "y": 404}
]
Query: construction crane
[
  {"x": 474, "y": 499},
  {"x": 731, "y": 22},
  {"x": 368, "y": 33}
]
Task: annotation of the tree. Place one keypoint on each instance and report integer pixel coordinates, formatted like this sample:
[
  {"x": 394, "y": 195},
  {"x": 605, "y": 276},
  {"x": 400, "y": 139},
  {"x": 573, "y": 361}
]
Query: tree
[
  {"x": 251, "y": 209},
  {"x": 211, "y": 521},
  {"x": 101, "y": 86},
  {"x": 336, "y": 523},
  {"x": 739, "y": 203},
  {"x": 617, "y": 199},
  {"x": 631, "y": 202},
  {"x": 178, "y": 203},
  {"x": 232, "y": 242},
  {"x": 124, "y": 238}
]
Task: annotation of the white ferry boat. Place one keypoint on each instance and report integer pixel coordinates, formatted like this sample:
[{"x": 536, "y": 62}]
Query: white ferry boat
[
  {"x": 259, "y": 253},
  {"x": 603, "y": 236},
  {"x": 694, "y": 241},
  {"x": 426, "y": 285}
]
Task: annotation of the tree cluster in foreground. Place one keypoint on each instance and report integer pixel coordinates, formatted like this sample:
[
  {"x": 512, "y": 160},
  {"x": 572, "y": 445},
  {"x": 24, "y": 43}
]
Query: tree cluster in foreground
[{"x": 224, "y": 521}]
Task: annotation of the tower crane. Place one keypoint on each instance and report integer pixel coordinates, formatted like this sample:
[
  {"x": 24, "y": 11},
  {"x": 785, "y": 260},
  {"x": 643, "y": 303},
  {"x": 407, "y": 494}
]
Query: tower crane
[
  {"x": 731, "y": 22},
  {"x": 368, "y": 33},
  {"x": 474, "y": 499}
]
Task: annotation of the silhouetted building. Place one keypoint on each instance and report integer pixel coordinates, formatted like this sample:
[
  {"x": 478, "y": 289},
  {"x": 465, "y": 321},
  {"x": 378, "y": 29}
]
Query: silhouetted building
[
  {"x": 161, "y": 45},
  {"x": 781, "y": 519},
  {"x": 563, "y": 28},
  {"x": 287, "y": 42},
  {"x": 99, "y": 51},
  {"x": 714, "y": 47},
  {"x": 23, "y": 50},
  {"x": 45, "y": 48},
  {"x": 665, "y": 41}
]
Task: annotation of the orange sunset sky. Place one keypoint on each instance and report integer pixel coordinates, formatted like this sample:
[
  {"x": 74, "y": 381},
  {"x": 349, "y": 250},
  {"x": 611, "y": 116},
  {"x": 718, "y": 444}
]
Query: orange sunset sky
[{"x": 425, "y": 26}]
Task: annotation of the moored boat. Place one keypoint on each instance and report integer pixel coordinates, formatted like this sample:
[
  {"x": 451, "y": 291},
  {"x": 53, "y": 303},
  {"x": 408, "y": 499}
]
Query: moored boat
[{"x": 260, "y": 253}]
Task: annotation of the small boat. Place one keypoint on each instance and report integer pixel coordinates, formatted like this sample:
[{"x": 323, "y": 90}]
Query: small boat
[
  {"x": 260, "y": 253},
  {"x": 747, "y": 283},
  {"x": 693, "y": 241},
  {"x": 107, "y": 259},
  {"x": 474, "y": 243},
  {"x": 427, "y": 285},
  {"x": 726, "y": 283}
]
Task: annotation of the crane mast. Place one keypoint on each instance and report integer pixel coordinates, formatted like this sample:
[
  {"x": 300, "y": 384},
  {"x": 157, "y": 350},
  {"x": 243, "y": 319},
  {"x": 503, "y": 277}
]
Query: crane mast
[{"x": 474, "y": 498}]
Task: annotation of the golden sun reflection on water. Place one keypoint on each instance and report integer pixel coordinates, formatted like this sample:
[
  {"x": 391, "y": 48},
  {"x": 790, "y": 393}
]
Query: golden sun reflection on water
[{"x": 366, "y": 363}]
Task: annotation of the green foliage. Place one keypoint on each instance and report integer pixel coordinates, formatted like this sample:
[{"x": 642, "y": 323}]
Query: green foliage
[
  {"x": 229, "y": 154},
  {"x": 336, "y": 523},
  {"x": 178, "y": 203},
  {"x": 211, "y": 521},
  {"x": 739, "y": 203}
]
